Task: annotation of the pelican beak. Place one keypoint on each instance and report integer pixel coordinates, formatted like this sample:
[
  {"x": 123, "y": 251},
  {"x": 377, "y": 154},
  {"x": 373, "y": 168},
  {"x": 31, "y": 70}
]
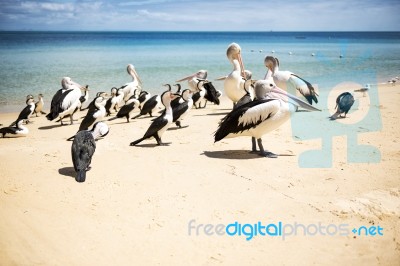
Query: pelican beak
[
  {"x": 221, "y": 78},
  {"x": 241, "y": 64},
  {"x": 137, "y": 76},
  {"x": 283, "y": 95},
  {"x": 188, "y": 77}
]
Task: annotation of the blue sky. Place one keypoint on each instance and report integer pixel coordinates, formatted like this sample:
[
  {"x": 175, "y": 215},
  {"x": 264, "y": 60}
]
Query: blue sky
[{"x": 203, "y": 15}]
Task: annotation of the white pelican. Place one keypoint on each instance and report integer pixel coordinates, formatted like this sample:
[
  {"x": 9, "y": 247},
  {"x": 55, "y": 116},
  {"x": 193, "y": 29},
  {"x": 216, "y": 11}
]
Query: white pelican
[
  {"x": 129, "y": 88},
  {"x": 282, "y": 78},
  {"x": 343, "y": 104},
  {"x": 196, "y": 82},
  {"x": 271, "y": 109},
  {"x": 66, "y": 101},
  {"x": 234, "y": 82}
]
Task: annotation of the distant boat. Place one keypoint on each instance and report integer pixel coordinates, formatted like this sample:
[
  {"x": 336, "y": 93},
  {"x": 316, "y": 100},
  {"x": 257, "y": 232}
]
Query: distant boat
[{"x": 300, "y": 37}]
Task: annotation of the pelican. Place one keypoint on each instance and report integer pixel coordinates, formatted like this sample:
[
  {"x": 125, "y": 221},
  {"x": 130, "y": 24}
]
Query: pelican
[
  {"x": 343, "y": 104},
  {"x": 272, "y": 107},
  {"x": 194, "y": 79},
  {"x": 83, "y": 148},
  {"x": 282, "y": 78},
  {"x": 66, "y": 101},
  {"x": 130, "y": 87},
  {"x": 234, "y": 82},
  {"x": 15, "y": 131}
]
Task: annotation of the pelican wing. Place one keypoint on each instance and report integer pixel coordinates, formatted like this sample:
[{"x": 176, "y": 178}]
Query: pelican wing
[
  {"x": 307, "y": 91},
  {"x": 211, "y": 94},
  {"x": 246, "y": 116}
]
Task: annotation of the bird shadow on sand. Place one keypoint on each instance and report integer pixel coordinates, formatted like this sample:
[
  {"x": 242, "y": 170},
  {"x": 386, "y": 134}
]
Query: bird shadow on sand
[
  {"x": 236, "y": 154},
  {"x": 151, "y": 145},
  {"x": 67, "y": 171},
  {"x": 51, "y": 127},
  {"x": 176, "y": 128},
  {"x": 212, "y": 114}
]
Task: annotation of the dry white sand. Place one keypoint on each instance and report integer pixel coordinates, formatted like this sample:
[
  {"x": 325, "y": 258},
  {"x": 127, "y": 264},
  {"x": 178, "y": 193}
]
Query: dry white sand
[{"x": 136, "y": 203}]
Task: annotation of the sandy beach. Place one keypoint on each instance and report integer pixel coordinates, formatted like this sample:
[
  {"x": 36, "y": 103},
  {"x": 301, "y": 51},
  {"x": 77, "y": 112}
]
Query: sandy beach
[{"x": 144, "y": 205}]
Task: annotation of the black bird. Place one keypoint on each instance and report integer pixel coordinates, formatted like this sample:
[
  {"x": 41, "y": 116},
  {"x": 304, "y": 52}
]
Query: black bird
[
  {"x": 127, "y": 110},
  {"x": 85, "y": 97},
  {"x": 149, "y": 106},
  {"x": 177, "y": 100},
  {"x": 83, "y": 148},
  {"x": 96, "y": 111},
  {"x": 17, "y": 131},
  {"x": 109, "y": 102},
  {"x": 161, "y": 123},
  {"x": 143, "y": 97},
  {"x": 182, "y": 109},
  {"x": 343, "y": 104},
  {"x": 26, "y": 112},
  {"x": 211, "y": 93}
]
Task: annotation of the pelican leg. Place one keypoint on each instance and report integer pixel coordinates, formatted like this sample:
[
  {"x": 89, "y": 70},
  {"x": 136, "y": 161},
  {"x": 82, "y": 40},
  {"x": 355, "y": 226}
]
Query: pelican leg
[
  {"x": 263, "y": 152},
  {"x": 253, "y": 145},
  {"x": 178, "y": 123}
]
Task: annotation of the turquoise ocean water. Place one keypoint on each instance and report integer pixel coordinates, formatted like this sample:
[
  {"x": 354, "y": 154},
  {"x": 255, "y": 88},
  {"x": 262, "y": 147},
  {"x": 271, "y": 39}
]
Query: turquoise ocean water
[{"x": 35, "y": 62}]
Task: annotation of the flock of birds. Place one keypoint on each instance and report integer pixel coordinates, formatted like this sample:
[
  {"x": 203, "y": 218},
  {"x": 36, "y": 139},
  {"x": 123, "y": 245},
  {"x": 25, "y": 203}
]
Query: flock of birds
[{"x": 259, "y": 106}]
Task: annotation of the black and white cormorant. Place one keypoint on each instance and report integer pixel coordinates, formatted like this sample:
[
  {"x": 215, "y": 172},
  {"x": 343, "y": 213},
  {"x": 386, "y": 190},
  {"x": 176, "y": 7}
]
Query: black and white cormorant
[
  {"x": 161, "y": 123},
  {"x": 26, "y": 112},
  {"x": 18, "y": 130},
  {"x": 131, "y": 106},
  {"x": 84, "y": 98}
]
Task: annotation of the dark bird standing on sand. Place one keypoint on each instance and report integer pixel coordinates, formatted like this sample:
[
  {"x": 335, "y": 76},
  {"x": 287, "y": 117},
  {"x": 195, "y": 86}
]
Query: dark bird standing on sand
[
  {"x": 83, "y": 148},
  {"x": 343, "y": 104},
  {"x": 26, "y": 112},
  {"x": 127, "y": 110},
  {"x": 161, "y": 123}
]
